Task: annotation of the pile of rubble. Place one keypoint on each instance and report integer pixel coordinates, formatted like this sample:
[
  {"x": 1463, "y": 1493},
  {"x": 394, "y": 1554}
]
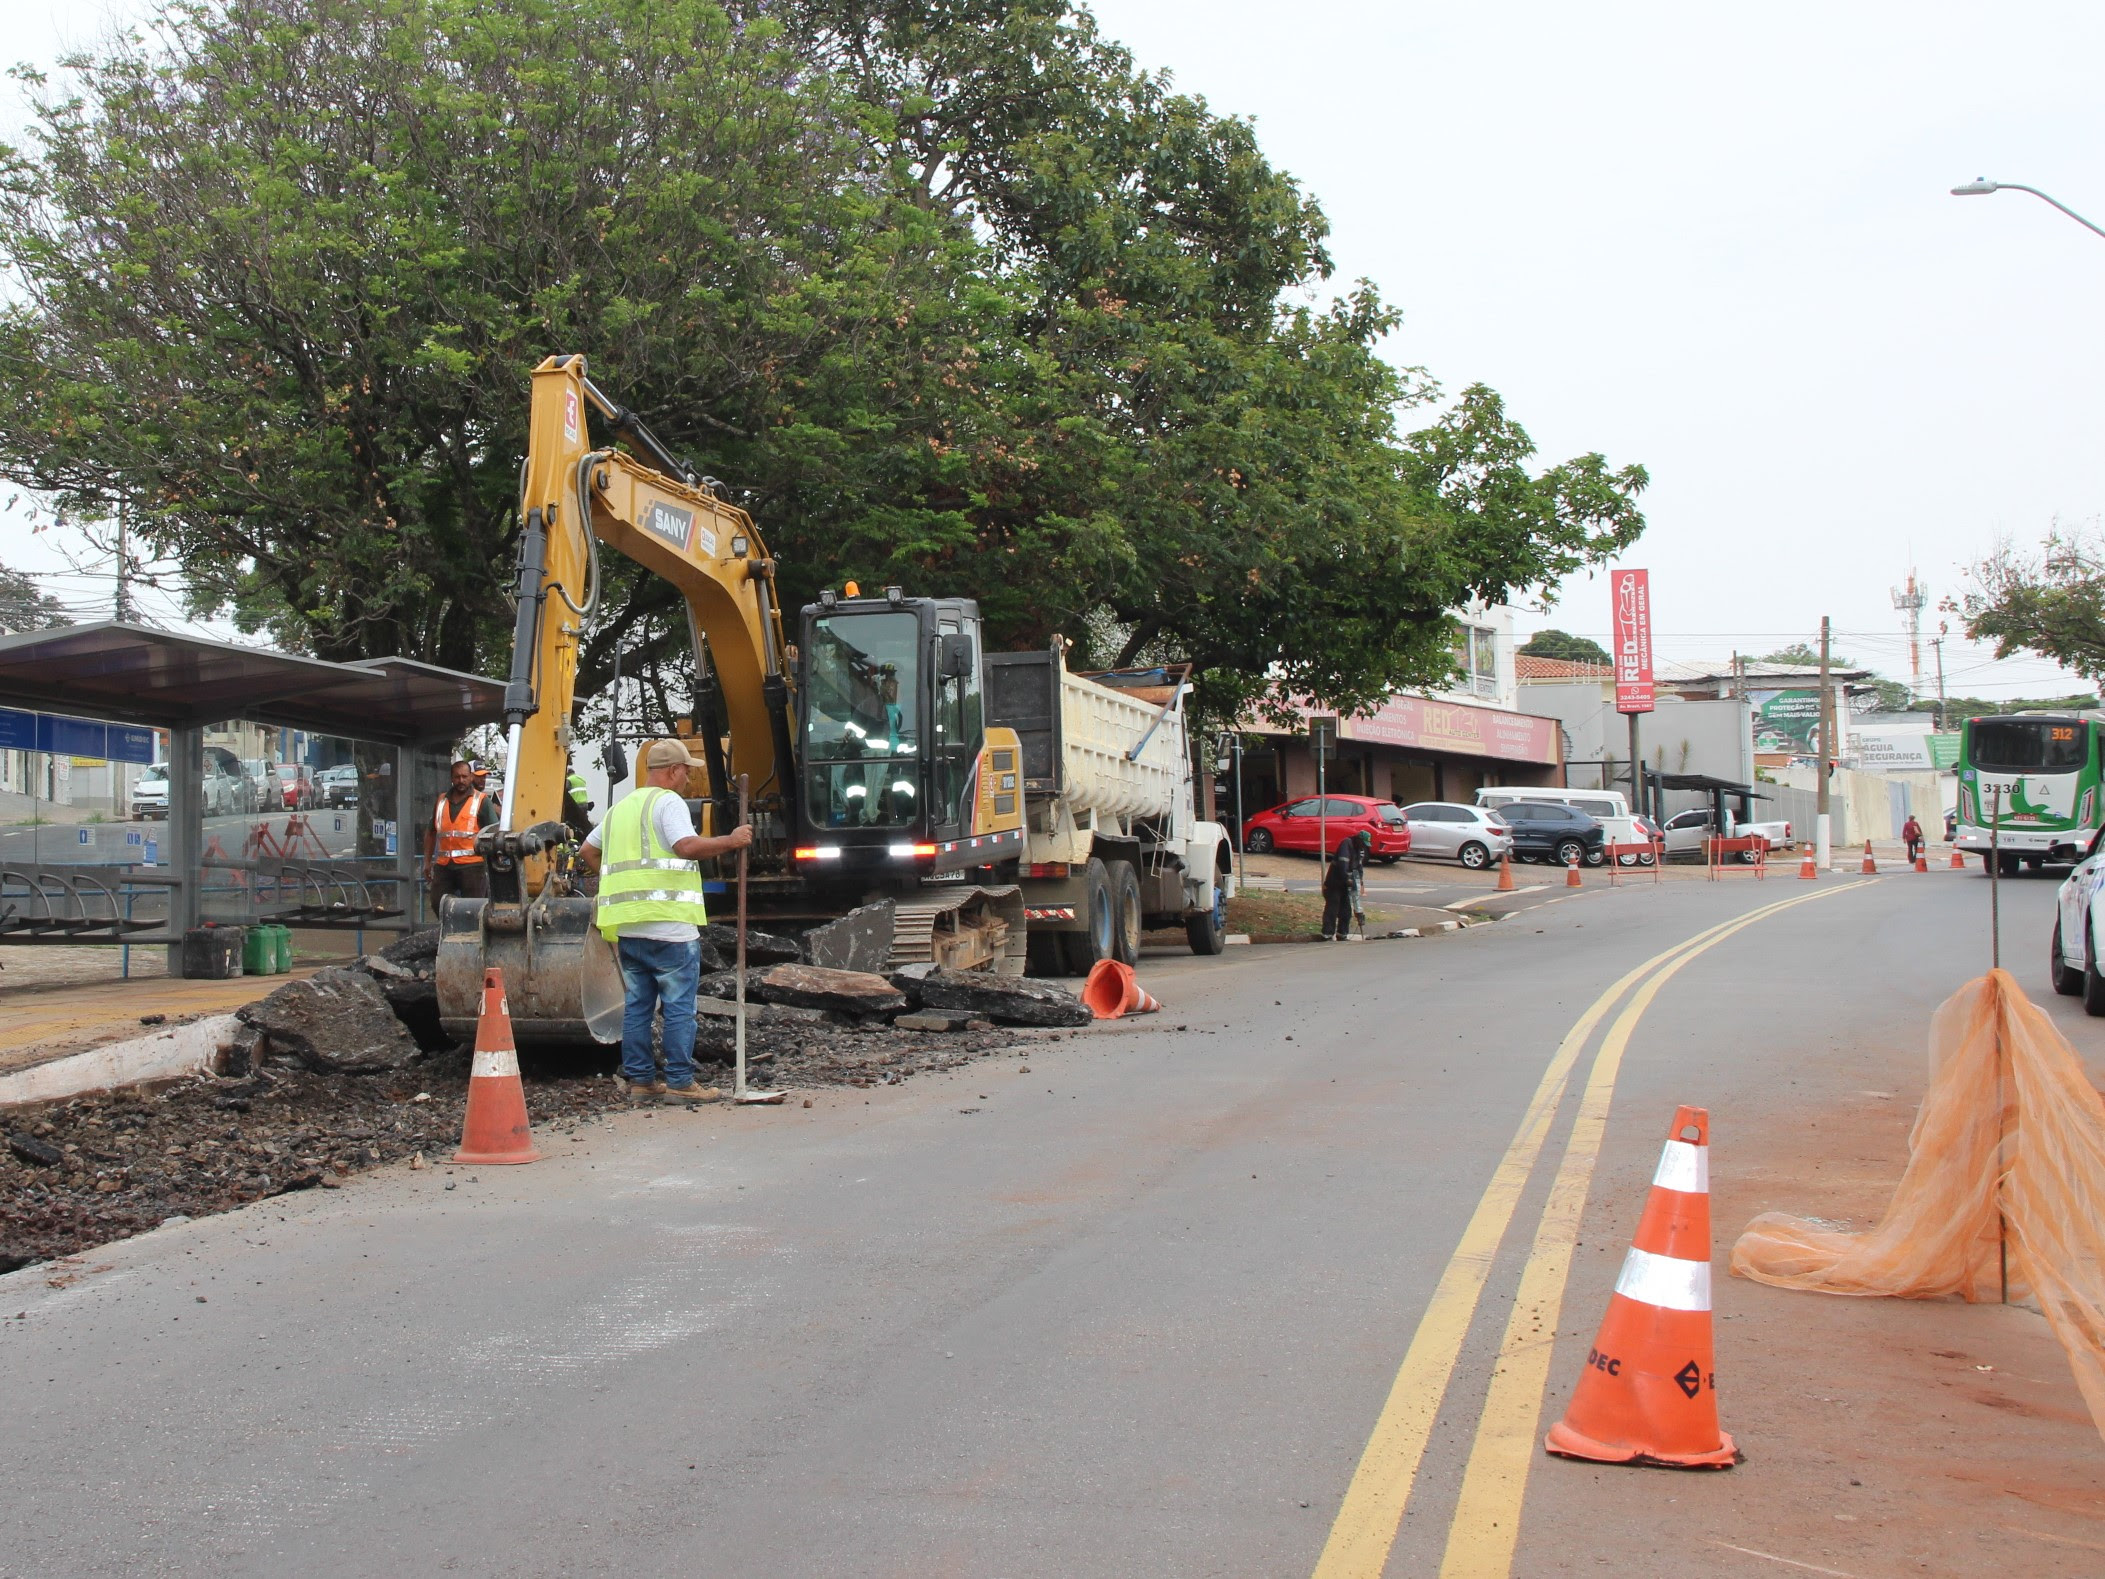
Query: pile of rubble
[{"x": 348, "y": 1069}]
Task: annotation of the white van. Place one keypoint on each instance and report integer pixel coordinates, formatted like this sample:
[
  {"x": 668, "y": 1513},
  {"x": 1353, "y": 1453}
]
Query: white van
[{"x": 1607, "y": 807}]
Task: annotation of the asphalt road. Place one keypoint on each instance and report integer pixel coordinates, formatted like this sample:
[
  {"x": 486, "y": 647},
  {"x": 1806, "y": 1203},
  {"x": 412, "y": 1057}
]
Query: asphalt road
[{"x": 1131, "y": 1302}]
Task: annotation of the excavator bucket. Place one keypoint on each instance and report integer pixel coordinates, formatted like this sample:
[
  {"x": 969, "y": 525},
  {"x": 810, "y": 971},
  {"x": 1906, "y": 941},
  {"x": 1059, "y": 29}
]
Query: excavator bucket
[{"x": 560, "y": 974}]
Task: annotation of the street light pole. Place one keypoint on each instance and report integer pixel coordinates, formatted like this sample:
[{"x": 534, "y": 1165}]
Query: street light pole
[{"x": 1981, "y": 186}]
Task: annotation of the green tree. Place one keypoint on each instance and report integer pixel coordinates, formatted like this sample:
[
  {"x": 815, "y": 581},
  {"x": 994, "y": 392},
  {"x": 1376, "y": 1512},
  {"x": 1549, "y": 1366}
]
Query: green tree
[
  {"x": 949, "y": 291},
  {"x": 1566, "y": 647},
  {"x": 24, "y": 606},
  {"x": 2050, "y": 602}
]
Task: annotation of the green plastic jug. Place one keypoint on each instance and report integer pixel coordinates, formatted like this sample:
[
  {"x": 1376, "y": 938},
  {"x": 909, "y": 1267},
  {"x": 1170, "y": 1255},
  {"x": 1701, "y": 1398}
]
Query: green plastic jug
[
  {"x": 257, "y": 956},
  {"x": 281, "y": 950}
]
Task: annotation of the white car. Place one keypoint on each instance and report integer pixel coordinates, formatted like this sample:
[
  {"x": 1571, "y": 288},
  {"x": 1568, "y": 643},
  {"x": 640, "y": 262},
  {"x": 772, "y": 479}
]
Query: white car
[
  {"x": 2072, "y": 960},
  {"x": 1449, "y": 830}
]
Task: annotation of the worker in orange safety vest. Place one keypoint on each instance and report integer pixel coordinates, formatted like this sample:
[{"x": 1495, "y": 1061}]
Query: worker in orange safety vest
[{"x": 451, "y": 865}]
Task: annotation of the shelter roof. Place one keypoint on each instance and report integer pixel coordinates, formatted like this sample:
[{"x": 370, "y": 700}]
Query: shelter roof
[
  {"x": 1528, "y": 668},
  {"x": 145, "y": 676}
]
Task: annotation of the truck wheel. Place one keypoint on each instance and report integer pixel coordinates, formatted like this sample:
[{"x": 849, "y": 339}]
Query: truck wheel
[
  {"x": 1208, "y": 929},
  {"x": 1099, "y": 921},
  {"x": 1125, "y": 897}
]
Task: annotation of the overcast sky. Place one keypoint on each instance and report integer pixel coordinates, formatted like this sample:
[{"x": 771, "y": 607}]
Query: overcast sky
[{"x": 1716, "y": 243}]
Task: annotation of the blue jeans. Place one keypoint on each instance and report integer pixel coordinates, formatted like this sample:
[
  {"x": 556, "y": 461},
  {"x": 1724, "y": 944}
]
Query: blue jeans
[{"x": 658, "y": 974}]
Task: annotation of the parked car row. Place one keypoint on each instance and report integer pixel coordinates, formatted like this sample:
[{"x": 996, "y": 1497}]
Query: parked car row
[{"x": 235, "y": 787}]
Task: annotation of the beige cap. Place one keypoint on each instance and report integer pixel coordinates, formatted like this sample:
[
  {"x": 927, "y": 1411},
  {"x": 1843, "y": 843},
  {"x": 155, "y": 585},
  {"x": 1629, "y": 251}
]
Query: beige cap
[{"x": 671, "y": 754}]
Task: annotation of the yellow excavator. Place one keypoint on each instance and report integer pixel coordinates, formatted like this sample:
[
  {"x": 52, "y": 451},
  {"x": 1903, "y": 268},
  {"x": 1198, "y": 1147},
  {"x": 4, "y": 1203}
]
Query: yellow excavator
[{"x": 877, "y": 787}]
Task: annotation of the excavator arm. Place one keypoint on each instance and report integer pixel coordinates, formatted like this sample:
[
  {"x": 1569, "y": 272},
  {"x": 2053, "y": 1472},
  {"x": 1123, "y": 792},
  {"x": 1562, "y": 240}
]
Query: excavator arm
[{"x": 660, "y": 513}]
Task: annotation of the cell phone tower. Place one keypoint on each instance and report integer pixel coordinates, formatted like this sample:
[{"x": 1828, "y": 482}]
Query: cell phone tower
[{"x": 1910, "y": 603}]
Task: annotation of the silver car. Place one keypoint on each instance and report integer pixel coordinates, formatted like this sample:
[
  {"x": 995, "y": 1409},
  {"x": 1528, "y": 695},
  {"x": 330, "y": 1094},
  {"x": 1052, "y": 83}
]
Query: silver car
[{"x": 1448, "y": 830}]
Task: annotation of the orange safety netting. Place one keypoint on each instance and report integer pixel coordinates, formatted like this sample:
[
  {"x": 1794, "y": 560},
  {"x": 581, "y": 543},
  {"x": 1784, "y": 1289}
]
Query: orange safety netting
[{"x": 2008, "y": 1100}]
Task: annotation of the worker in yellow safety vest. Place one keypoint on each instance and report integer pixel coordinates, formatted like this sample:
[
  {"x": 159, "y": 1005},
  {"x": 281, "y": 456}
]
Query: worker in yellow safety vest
[
  {"x": 652, "y": 909},
  {"x": 451, "y": 865}
]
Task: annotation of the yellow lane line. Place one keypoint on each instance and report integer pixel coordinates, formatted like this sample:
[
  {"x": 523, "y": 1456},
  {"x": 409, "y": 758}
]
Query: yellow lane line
[
  {"x": 1366, "y": 1522},
  {"x": 1486, "y": 1524}
]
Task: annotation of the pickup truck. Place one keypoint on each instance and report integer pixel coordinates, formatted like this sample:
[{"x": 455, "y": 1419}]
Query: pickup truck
[{"x": 1686, "y": 831}]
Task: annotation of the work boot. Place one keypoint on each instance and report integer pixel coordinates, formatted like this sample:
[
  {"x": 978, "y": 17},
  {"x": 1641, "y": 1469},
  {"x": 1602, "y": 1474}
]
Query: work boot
[
  {"x": 691, "y": 1095},
  {"x": 637, "y": 1090}
]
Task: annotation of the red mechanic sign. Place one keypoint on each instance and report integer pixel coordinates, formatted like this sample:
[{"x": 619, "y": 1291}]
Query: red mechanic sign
[{"x": 1633, "y": 640}]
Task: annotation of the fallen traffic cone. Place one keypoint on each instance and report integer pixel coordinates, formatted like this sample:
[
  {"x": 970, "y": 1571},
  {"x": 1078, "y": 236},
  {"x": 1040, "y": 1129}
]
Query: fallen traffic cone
[
  {"x": 1809, "y": 869},
  {"x": 1505, "y": 873},
  {"x": 495, "y": 1129},
  {"x": 1958, "y": 862},
  {"x": 1869, "y": 864},
  {"x": 1112, "y": 991},
  {"x": 1571, "y": 873},
  {"x": 1648, "y": 1394}
]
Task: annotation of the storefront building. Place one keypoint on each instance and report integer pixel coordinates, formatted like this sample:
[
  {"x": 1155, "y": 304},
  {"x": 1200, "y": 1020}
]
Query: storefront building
[{"x": 1411, "y": 748}]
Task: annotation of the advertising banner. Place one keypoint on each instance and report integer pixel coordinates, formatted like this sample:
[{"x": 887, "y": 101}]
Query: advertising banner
[{"x": 1632, "y": 594}]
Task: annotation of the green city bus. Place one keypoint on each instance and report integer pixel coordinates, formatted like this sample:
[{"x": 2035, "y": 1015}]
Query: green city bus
[{"x": 2046, "y": 766}]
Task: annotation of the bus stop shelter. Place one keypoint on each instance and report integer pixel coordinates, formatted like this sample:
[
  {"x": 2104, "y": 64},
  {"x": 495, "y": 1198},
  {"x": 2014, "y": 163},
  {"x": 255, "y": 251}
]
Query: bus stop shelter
[{"x": 97, "y": 691}]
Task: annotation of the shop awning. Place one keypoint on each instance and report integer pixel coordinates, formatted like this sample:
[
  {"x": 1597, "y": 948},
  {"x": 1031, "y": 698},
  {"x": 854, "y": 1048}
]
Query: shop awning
[{"x": 137, "y": 675}]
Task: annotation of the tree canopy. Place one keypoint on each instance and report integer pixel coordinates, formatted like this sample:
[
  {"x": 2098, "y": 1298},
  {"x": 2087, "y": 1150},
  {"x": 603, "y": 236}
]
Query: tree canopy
[
  {"x": 949, "y": 291},
  {"x": 24, "y": 606},
  {"x": 2050, "y": 601},
  {"x": 1565, "y": 646}
]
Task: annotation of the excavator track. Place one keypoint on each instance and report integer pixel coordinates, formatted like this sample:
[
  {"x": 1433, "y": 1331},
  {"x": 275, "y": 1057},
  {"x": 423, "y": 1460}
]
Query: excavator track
[{"x": 963, "y": 929}]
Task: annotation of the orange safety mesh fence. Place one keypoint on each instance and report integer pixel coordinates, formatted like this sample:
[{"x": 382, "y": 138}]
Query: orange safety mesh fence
[{"x": 2008, "y": 1098}]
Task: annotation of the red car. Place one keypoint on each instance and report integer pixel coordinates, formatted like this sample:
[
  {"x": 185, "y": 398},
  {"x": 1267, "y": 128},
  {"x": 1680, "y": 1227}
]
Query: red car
[{"x": 1294, "y": 825}]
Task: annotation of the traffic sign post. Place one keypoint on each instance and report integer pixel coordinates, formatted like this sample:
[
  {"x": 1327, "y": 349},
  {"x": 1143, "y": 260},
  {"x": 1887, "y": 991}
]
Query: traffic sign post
[{"x": 1323, "y": 742}]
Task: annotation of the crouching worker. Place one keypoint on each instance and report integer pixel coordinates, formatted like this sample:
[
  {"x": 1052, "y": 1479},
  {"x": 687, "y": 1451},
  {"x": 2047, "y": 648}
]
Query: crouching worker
[
  {"x": 1341, "y": 889},
  {"x": 650, "y": 907}
]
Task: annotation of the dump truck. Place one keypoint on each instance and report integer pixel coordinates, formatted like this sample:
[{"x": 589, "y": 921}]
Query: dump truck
[{"x": 1114, "y": 844}]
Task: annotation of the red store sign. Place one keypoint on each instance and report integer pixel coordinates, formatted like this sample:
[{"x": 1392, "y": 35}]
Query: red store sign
[
  {"x": 1632, "y": 593},
  {"x": 1417, "y": 723}
]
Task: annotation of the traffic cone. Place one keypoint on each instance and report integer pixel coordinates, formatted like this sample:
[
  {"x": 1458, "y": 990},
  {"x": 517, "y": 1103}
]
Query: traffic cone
[
  {"x": 1958, "y": 861},
  {"x": 1112, "y": 991},
  {"x": 495, "y": 1129},
  {"x": 1571, "y": 873},
  {"x": 1809, "y": 869},
  {"x": 1922, "y": 861},
  {"x": 1648, "y": 1394},
  {"x": 1870, "y": 865},
  {"x": 1505, "y": 873}
]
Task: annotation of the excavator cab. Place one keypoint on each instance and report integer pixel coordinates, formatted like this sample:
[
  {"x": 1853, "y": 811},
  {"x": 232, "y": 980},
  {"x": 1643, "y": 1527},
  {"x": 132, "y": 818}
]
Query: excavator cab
[{"x": 897, "y": 774}]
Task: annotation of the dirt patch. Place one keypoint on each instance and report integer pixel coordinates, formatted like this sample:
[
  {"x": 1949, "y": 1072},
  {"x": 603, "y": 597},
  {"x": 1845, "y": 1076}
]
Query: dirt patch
[
  {"x": 83, "y": 1172},
  {"x": 1270, "y": 916}
]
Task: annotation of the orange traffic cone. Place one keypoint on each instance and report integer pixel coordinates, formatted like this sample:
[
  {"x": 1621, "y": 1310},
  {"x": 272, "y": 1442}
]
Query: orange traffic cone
[
  {"x": 1809, "y": 869},
  {"x": 1649, "y": 1394},
  {"x": 1958, "y": 861},
  {"x": 1571, "y": 873},
  {"x": 1505, "y": 873},
  {"x": 495, "y": 1129},
  {"x": 1922, "y": 861},
  {"x": 1112, "y": 991},
  {"x": 1870, "y": 865}
]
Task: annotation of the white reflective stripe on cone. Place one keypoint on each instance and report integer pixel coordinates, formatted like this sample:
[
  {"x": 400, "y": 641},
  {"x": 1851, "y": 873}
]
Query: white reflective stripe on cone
[
  {"x": 495, "y": 1061},
  {"x": 1684, "y": 1167},
  {"x": 1665, "y": 1281}
]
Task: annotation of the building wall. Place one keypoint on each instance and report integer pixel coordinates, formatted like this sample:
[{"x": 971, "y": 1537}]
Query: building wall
[{"x": 1679, "y": 736}]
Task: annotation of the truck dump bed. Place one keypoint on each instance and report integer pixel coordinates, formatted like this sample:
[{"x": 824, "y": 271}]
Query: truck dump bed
[{"x": 1101, "y": 749}]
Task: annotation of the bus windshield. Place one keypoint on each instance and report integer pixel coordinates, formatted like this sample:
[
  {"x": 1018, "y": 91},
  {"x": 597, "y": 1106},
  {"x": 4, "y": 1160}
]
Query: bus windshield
[{"x": 2028, "y": 745}]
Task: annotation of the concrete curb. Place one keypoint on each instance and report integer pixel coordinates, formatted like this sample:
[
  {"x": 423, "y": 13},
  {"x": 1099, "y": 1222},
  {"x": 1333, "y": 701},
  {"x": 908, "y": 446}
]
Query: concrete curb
[{"x": 166, "y": 1055}]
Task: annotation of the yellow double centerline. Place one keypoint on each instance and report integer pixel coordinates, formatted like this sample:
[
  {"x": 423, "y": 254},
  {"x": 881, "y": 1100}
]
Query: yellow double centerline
[{"x": 1487, "y": 1517}]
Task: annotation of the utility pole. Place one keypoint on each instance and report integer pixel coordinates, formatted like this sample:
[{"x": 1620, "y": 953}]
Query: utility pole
[
  {"x": 1823, "y": 826},
  {"x": 1937, "y": 646},
  {"x": 124, "y": 593}
]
